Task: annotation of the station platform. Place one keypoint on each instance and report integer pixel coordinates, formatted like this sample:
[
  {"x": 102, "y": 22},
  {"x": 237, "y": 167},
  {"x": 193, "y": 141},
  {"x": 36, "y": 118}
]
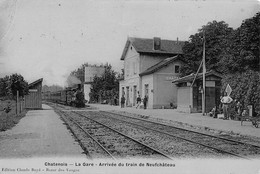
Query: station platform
[
  {"x": 194, "y": 119},
  {"x": 41, "y": 133}
]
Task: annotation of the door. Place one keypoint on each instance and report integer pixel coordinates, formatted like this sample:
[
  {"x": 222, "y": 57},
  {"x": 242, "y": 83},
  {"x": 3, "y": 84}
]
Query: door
[
  {"x": 197, "y": 99},
  {"x": 146, "y": 92},
  {"x": 135, "y": 95},
  {"x": 127, "y": 95}
]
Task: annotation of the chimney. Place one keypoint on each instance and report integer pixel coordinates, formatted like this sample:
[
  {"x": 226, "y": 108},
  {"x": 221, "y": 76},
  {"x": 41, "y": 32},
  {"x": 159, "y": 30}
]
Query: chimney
[{"x": 157, "y": 43}]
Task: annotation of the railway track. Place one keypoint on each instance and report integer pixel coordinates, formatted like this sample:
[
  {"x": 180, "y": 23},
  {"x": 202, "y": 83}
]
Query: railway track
[
  {"x": 101, "y": 141},
  {"x": 225, "y": 146},
  {"x": 174, "y": 147}
]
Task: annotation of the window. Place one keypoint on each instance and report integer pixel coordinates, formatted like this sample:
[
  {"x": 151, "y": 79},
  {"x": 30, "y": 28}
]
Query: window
[
  {"x": 127, "y": 69},
  {"x": 134, "y": 66},
  {"x": 177, "y": 69}
]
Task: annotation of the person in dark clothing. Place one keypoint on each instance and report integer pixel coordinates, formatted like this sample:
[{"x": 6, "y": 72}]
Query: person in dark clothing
[
  {"x": 115, "y": 101},
  {"x": 238, "y": 108},
  {"x": 122, "y": 101},
  {"x": 138, "y": 101},
  {"x": 145, "y": 100}
]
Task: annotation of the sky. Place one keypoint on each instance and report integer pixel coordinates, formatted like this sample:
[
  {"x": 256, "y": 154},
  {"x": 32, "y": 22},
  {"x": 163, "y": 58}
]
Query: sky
[{"x": 50, "y": 38}]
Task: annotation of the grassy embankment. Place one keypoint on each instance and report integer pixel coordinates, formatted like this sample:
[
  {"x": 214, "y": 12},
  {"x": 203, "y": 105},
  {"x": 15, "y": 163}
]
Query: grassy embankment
[{"x": 9, "y": 120}]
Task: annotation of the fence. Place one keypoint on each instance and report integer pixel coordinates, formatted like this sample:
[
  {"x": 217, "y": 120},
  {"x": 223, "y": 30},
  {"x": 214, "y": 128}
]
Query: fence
[{"x": 20, "y": 105}]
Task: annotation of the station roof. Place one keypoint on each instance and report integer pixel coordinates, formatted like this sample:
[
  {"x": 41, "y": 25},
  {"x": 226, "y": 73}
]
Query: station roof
[
  {"x": 143, "y": 45},
  {"x": 35, "y": 82},
  {"x": 160, "y": 65},
  {"x": 190, "y": 78}
]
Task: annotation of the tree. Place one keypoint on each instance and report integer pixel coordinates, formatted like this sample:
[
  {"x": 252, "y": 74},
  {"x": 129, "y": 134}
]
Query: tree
[
  {"x": 245, "y": 88},
  {"x": 217, "y": 36},
  {"x": 247, "y": 43},
  {"x": 52, "y": 88},
  {"x": 227, "y": 50},
  {"x": 105, "y": 87},
  {"x": 17, "y": 83},
  {"x": 9, "y": 85},
  {"x": 4, "y": 83}
]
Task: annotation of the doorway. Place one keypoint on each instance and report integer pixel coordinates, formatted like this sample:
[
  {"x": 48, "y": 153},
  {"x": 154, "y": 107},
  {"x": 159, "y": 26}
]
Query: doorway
[{"x": 135, "y": 95}]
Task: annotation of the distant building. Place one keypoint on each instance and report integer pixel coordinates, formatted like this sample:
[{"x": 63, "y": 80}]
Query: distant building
[
  {"x": 150, "y": 66},
  {"x": 90, "y": 72}
]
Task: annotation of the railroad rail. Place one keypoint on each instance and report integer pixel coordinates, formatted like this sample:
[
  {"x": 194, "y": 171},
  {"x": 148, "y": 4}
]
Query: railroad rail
[
  {"x": 197, "y": 137},
  {"x": 107, "y": 153},
  {"x": 82, "y": 141},
  {"x": 95, "y": 126}
]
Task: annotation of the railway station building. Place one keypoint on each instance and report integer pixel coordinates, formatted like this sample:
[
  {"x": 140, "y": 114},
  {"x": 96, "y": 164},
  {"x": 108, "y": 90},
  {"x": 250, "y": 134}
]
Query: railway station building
[
  {"x": 189, "y": 92},
  {"x": 150, "y": 66}
]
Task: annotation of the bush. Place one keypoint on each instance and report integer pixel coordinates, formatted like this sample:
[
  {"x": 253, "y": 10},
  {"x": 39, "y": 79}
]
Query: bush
[{"x": 245, "y": 88}]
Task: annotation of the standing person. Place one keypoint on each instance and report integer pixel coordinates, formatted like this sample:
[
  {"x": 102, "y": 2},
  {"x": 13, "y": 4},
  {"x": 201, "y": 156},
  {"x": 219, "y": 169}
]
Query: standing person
[
  {"x": 138, "y": 101},
  {"x": 115, "y": 101},
  {"x": 239, "y": 108},
  {"x": 226, "y": 100},
  {"x": 145, "y": 101},
  {"x": 122, "y": 101}
]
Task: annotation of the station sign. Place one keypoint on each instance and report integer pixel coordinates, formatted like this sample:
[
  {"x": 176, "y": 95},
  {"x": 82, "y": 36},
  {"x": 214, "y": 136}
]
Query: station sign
[
  {"x": 32, "y": 90},
  {"x": 171, "y": 78},
  {"x": 228, "y": 90}
]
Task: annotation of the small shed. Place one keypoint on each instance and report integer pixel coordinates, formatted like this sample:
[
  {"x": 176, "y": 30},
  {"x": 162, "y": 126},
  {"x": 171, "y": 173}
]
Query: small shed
[
  {"x": 34, "y": 99},
  {"x": 189, "y": 96}
]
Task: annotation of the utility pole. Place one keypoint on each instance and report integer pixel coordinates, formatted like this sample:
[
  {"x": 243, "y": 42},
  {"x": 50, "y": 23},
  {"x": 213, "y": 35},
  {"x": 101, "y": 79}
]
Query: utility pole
[
  {"x": 203, "y": 73},
  {"x": 259, "y": 47},
  {"x": 17, "y": 102}
]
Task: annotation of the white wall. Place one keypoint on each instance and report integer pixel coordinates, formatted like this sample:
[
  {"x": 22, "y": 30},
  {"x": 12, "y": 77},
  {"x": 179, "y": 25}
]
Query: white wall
[
  {"x": 131, "y": 63},
  {"x": 184, "y": 99},
  {"x": 131, "y": 78},
  {"x": 87, "y": 91}
]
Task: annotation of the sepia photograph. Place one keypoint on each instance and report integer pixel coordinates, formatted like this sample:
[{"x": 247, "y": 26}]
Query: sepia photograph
[{"x": 129, "y": 86}]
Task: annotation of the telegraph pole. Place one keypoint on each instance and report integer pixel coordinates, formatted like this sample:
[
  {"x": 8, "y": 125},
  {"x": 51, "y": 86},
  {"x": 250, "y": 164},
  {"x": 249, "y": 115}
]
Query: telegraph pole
[
  {"x": 259, "y": 48},
  {"x": 203, "y": 73}
]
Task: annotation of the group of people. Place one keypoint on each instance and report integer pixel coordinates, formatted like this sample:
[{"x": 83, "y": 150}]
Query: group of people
[
  {"x": 226, "y": 104},
  {"x": 138, "y": 101}
]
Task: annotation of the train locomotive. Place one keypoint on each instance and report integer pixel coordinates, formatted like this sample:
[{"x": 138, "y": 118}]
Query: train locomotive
[{"x": 72, "y": 96}]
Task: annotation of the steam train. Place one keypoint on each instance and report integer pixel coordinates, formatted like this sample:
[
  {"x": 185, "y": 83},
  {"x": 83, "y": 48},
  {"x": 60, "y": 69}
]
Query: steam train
[{"x": 72, "y": 96}]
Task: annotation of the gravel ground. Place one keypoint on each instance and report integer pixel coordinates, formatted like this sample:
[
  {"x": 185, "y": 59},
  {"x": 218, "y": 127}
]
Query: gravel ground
[
  {"x": 143, "y": 136},
  {"x": 117, "y": 145},
  {"x": 172, "y": 146},
  {"x": 244, "y": 150},
  {"x": 228, "y": 135}
]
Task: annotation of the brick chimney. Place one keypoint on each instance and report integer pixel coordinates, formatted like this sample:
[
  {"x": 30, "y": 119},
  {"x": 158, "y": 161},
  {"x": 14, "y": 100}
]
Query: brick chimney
[{"x": 157, "y": 43}]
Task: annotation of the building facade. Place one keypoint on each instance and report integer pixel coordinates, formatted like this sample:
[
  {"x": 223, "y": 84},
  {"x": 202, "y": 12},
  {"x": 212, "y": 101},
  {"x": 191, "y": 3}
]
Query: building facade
[
  {"x": 149, "y": 66},
  {"x": 89, "y": 74}
]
